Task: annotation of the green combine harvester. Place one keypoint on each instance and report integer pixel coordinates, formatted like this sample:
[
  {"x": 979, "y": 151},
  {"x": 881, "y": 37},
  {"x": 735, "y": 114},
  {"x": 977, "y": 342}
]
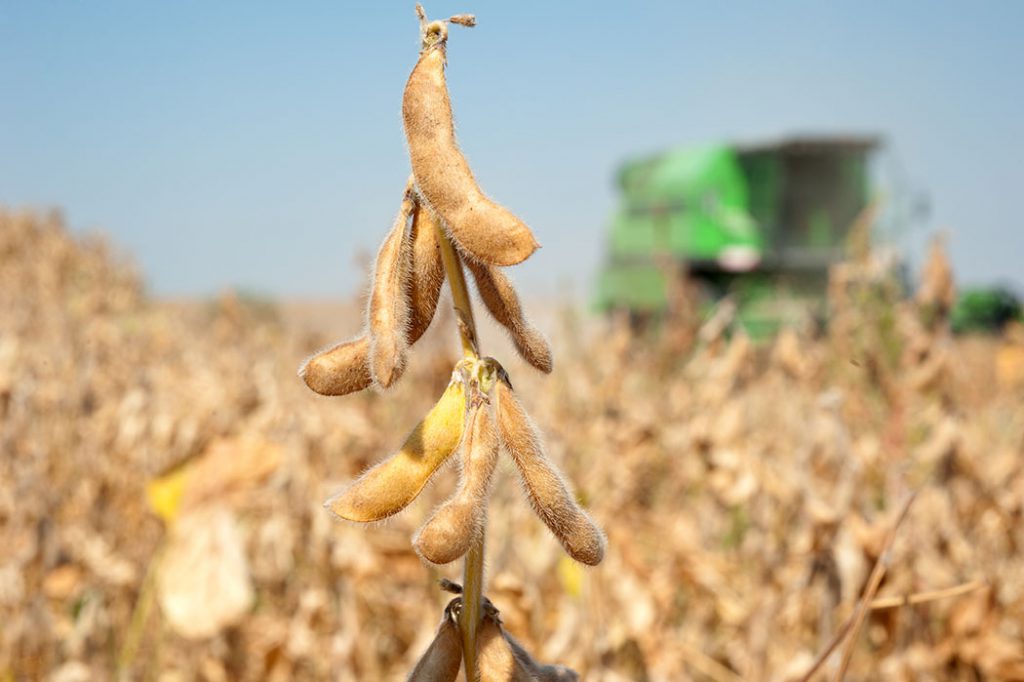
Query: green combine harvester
[{"x": 761, "y": 223}]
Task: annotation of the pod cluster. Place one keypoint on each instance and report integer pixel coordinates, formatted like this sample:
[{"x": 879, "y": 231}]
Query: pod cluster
[
  {"x": 500, "y": 657},
  {"x": 478, "y": 416},
  {"x": 407, "y": 278},
  {"x": 441, "y": 200},
  {"x": 444, "y": 219}
]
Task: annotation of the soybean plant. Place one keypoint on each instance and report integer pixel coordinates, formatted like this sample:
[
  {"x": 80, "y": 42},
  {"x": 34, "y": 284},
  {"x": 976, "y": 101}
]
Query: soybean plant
[{"x": 444, "y": 221}]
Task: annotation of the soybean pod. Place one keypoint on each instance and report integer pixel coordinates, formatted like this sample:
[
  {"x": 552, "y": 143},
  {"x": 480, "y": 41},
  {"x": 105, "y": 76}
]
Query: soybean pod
[{"x": 484, "y": 230}]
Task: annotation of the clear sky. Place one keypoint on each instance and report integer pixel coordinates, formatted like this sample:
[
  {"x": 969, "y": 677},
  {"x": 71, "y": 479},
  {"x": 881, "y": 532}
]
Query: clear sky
[{"x": 260, "y": 144}]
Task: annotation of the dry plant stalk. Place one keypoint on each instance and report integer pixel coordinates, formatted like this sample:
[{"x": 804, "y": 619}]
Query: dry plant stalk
[
  {"x": 865, "y": 604},
  {"x": 477, "y": 413},
  {"x": 925, "y": 597},
  {"x": 874, "y": 581}
]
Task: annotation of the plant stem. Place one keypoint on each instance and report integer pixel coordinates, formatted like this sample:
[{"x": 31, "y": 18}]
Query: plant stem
[
  {"x": 472, "y": 589},
  {"x": 473, "y": 569},
  {"x": 460, "y": 294}
]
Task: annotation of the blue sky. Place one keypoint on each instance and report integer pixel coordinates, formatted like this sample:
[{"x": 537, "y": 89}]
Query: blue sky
[{"x": 260, "y": 144}]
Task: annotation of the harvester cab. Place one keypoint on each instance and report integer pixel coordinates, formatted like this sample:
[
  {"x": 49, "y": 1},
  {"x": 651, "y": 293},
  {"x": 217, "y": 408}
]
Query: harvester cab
[{"x": 761, "y": 223}]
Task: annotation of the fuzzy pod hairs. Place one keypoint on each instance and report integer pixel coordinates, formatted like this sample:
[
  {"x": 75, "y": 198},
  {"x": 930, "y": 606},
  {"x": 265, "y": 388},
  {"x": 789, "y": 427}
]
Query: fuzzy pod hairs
[
  {"x": 387, "y": 316},
  {"x": 389, "y": 486},
  {"x": 346, "y": 367},
  {"x": 340, "y": 369},
  {"x": 500, "y": 297},
  {"x": 424, "y": 286},
  {"x": 549, "y": 494},
  {"x": 447, "y": 535}
]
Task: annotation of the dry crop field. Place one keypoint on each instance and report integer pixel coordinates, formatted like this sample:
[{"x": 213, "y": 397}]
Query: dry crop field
[{"x": 162, "y": 473}]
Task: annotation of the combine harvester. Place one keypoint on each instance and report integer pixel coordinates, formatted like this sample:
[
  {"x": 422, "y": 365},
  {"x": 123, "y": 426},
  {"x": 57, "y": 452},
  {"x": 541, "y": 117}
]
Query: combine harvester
[{"x": 761, "y": 223}]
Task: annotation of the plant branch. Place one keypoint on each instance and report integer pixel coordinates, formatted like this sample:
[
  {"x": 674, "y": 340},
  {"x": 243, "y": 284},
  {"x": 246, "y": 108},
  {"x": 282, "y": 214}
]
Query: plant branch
[
  {"x": 925, "y": 597},
  {"x": 472, "y": 605},
  {"x": 874, "y": 581},
  {"x": 865, "y": 604}
]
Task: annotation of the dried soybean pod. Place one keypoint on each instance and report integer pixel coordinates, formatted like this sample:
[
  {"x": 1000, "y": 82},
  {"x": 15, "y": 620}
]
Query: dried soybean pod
[
  {"x": 484, "y": 230},
  {"x": 495, "y": 658},
  {"x": 448, "y": 534},
  {"x": 340, "y": 369},
  {"x": 443, "y": 658},
  {"x": 388, "y": 313},
  {"x": 501, "y": 300},
  {"x": 501, "y": 657},
  {"x": 538, "y": 671},
  {"x": 388, "y": 487},
  {"x": 344, "y": 368},
  {"x": 549, "y": 495},
  {"x": 424, "y": 286}
]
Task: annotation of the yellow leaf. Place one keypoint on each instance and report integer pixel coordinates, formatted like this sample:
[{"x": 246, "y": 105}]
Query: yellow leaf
[
  {"x": 570, "y": 574},
  {"x": 164, "y": 494}
]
